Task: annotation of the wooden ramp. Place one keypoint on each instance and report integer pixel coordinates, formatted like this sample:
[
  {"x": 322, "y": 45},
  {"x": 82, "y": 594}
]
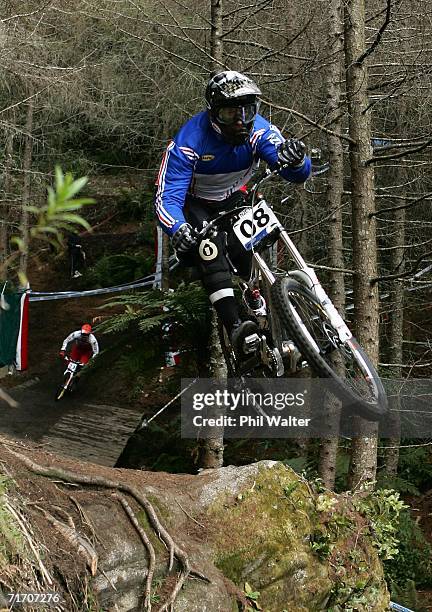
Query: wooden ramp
[{"x": 90, "y": 432}]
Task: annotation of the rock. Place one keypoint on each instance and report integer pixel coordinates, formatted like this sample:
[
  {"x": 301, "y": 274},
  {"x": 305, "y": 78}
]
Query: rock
[
  {"x": 258, "y": 533},
  {"x": 263, "y": 521}
]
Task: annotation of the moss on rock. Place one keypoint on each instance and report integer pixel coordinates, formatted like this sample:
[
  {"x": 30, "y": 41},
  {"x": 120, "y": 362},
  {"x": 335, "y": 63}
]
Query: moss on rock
[{"x": 279, "y": 536}]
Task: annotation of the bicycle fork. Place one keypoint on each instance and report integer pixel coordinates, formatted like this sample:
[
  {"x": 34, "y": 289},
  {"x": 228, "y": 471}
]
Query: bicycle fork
[{"x": 307, "y": 276}]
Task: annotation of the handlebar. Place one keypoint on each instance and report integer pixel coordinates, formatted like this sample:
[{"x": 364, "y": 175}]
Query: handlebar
[
  {"x": 67, "y": 358},
  {"x": 225, "y": 214},
  {"x": 252, "y": 196}
]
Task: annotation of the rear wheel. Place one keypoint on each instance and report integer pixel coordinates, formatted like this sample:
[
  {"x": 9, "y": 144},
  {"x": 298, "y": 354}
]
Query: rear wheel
[{"x": 360, "y": 387}]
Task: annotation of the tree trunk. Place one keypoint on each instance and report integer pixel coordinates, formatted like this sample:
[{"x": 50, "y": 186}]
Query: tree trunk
[
  {"x": 27, "y": 162},
  {"x": 216, "y": 42},
  {"x": 397, "y": 261},
  {"x": 211, "y": 451},
  {"x": 329, "y": 445},
  {"x": 364, "y": 447},
  {"x": 7, "y": 207}
]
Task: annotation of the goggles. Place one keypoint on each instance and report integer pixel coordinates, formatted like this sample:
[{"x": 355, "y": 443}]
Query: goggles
[{"x": 228, "y": 115}]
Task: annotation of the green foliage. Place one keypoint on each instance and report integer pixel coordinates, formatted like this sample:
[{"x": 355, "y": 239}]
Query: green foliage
[
  {"x": 415, "y": 466},
  {"x": 59, "y": 213},
  {"x": 385, "y": 481},
  {"x": 117, "y": 269},
  {"x": 146, "y": 311},
  {"x": 289, "y": 489},
  {"x": 382, "y": 509},
  {"x": 350, "y": 599},
  {"x": 252, "y": 597},
  {"x": 134, "y": 363},
  {"x": 406, "y": 595},
  {"x": 325, "y": 537},
  {"x": 322, "y": 543},
  {"x": 135, "y": 203},
  {"x": 12, "y": 541},
  {"x": 414, "y": 561}
]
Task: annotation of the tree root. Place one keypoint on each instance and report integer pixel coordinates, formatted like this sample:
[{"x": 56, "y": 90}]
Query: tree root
[
  {"x": 82, "y": 545},
  {"x": 174, "y": 550},
  {"x": 152, "y": 557}
]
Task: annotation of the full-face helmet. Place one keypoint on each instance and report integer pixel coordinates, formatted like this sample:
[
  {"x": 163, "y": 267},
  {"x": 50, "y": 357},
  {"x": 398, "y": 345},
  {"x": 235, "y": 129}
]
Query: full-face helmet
[
  {"x": 86, "y": 329},
  {"x": 232, "y": 101}
]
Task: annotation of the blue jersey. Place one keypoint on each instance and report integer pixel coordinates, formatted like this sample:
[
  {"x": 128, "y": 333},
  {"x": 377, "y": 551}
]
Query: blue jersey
[{"x": 198, "y": 162}]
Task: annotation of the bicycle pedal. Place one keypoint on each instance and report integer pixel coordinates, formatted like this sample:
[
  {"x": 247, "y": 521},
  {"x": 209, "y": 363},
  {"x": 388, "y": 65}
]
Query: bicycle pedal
[{"x": 250, "y": 343}]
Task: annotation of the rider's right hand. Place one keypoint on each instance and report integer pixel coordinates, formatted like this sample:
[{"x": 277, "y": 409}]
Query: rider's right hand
[{"x": 184, "y": 239}]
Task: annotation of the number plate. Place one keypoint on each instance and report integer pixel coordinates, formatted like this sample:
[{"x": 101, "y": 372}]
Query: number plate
[
  {"x": 253, "y": 226},
  {"x": 72, "y": 366}
]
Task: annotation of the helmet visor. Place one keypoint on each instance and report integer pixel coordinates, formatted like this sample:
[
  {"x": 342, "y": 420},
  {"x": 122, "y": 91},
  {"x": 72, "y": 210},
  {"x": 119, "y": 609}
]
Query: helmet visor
[{"x": 228, "y": 115}]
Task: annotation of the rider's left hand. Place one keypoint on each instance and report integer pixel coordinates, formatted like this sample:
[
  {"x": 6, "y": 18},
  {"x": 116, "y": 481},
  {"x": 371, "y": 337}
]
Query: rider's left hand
[
  {"x": 62, "y": 354},
  {"x": 292, "y": 153}
]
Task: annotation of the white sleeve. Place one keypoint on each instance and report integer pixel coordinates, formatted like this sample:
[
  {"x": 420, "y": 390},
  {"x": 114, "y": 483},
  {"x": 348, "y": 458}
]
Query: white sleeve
[
  {"x": 94, "y": 345},
  {"x": 71, "y": 337}
]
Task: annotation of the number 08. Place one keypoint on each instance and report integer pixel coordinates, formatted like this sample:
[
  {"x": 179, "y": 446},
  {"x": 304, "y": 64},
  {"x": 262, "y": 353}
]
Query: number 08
[{"x": 248, "y": 228}]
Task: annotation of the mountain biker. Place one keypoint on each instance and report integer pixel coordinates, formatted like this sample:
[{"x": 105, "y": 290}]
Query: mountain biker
[
  {"x": 84, "y": 345},
  {"x": 203, "y": 170}
]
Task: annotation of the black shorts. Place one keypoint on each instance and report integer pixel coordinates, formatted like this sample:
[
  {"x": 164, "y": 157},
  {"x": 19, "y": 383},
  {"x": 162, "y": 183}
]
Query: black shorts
[{"x": 216, "y": 269}]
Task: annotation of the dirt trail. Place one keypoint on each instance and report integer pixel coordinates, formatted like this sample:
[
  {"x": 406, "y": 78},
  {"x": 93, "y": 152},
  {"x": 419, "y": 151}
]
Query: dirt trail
[
  {"x": 72, "y": 427},
  {"x": 94, "y": 423}
]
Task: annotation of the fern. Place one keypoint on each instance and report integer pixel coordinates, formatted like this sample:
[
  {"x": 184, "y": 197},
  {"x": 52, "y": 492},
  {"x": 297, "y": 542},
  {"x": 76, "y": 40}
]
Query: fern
[
  {"x": 144, "y": 313},
  {"x": 134, "y": 363},
  {"x": 406, "y": 595},
  {"x": 415, "y": 466},
  {"x": 384, "y": 481},
  {"x": 116, "y": 269},
  {"x": 414, "y": 560}
]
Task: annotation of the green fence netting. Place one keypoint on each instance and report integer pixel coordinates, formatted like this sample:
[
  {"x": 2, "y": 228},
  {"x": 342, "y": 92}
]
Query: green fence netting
[{"x": 9, "y": 327}]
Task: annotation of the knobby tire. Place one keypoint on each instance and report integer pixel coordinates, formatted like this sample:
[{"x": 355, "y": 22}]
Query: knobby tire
[
  {"x": 293, "y": 301},
  {"x": 61, "y": 391}
]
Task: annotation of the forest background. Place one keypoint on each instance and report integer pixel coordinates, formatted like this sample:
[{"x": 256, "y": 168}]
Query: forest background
[{"x": 100, "y": 87}]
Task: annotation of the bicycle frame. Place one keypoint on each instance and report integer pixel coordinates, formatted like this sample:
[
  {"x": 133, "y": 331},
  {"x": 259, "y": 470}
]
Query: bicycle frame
[
  {"x": 71, "y": 371},
  {"x": 305, "y": 274}
]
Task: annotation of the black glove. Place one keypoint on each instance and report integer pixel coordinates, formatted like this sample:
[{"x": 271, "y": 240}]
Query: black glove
[
  {"x": 292, "y": 153},
  {"x": 184, "y": 239}
]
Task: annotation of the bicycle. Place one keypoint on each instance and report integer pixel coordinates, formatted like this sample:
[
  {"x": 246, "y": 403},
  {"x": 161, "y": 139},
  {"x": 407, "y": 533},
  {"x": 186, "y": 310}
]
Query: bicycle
[
  {"x": 298, "y": 324},
  {"x": 69, "y": 378}
]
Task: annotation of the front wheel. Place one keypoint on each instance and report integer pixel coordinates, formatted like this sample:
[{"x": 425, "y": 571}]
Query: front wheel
[
  {"x": 63, "y": 388},
  {"x": 59, "y": 393},
  {"x": 355, "y": 379}
]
